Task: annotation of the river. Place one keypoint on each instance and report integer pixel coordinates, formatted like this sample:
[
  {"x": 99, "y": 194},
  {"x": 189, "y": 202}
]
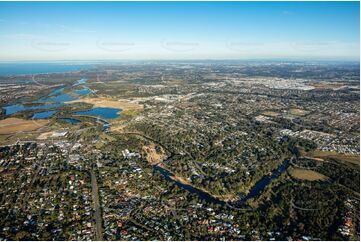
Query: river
[{"x": 255, "y": 191}]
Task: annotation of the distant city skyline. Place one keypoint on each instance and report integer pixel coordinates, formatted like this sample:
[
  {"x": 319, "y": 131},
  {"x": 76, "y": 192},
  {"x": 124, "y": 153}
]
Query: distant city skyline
[{"x": 49, "y": 31}]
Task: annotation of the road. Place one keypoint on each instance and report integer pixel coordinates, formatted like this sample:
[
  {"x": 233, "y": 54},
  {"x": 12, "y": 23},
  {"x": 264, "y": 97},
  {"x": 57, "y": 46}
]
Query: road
[{"x": 96, "y": 207}]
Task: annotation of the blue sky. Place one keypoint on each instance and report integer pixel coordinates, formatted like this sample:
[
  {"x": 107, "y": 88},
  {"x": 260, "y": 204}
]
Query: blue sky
[{"x": 179, "y": 30}]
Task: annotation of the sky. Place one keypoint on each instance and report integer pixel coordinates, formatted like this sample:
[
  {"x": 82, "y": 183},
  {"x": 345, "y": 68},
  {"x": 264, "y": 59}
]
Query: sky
[{"x": 179, "y": 30}]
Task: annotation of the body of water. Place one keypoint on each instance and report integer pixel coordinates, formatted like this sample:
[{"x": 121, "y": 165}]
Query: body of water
[
  {"x": 255, "y": 191},
  {"x": 81, "y": 81},
  {"x": 105, "y": 124},
  {"x": 259, "y": 187},
  {"x": 10, "y": 69},
  {"x": 82, "y": 92},
  {"x": 42, "y": 115},
  {"x": 106, "y": 113},
  {"x": 11, "y": 109},
  {"x": 58, "y": 99},
  {"x": 55, "y": 99},
  {"x": 56, "y": 92},
  {"x": 202, "y": 195}
]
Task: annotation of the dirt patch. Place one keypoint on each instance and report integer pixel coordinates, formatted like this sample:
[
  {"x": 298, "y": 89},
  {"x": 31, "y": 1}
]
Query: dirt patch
[
  {"x": 15, "y": 125},
  {"x": 52, "y": 134},
  {"x": 154, "y": 154},
  {"x": 327, "y": 85},
  {"x": 309, "y": 175},
  {"x": 109, "y": 103},
  {"x": 270, "y": 113},
  {"x": 298, "y": 112},
  {"x": 118, "y": 128},
  {"x": 45, "y": 135}
]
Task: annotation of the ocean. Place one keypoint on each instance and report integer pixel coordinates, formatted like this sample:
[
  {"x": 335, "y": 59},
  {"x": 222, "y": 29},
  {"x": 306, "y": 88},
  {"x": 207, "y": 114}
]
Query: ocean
[{"x": 9, "y": 69}]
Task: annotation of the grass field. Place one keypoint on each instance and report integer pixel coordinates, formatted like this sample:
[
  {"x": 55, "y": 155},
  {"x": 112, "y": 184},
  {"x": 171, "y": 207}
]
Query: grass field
[
  {"x": 298, "y": 112},
  {"x": 108, "y": 103},
  {"x": 309, "y": 175},
  {"x": 318, "y": 154},
  {"x": 15, "y": 125},
  {"x": 327, "y": 85},
  {"x": 270, "y": 113}
]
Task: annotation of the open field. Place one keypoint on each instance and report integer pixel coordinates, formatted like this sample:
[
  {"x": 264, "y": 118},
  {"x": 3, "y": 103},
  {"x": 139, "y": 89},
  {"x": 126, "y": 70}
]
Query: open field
[
  {"x": 14, "y": 125},
  {"x": 270, "y": 113},
  {"x": 327, "y": 85},
  {"x": 309, "y": 175},
  {"x": 298, "y": 112},
  {"x": 318, "y": 154},
  {"x": 109, "y": 103}
]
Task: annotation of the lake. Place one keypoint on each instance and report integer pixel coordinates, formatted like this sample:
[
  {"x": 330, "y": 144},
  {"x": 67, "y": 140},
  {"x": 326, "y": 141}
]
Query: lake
[
  {"x": 57, "y": 98},
  {"x": 106, "y": 113},
  {"x": 11, "y": 109}
]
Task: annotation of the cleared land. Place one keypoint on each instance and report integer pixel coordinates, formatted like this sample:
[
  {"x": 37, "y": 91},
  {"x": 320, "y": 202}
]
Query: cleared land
[
  {"x": 298, "y": 112},
  {"x": 153, "y": 155},
  {"x": 270, "y": 113},
  {"x": 15, "y": 125},
  {"x": 309, "y": 175},
  {"x": 45, "y": 135},
  {"x": 326, "y": 85},
  {"x": 319, "y": 154},
  {"x": 109, "y": 103}
]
